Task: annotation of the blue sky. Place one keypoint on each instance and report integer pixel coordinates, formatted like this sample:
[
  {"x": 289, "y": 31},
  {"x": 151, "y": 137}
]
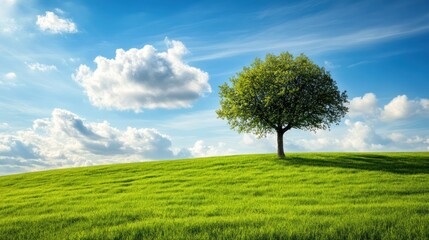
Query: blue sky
[{"x": 69, "y": 96}]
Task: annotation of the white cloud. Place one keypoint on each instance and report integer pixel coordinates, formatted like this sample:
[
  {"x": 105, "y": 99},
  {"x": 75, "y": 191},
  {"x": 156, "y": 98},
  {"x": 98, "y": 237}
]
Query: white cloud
[
  {"x": 8, "y": 79},
  {"x": 59, "y": 11},
  {"x": 67, "y": 140},
  {"x": 360, "y": 137},
  {"x": 416, "y": 142},
  {"x": 357, "y": 136},
  {"x": 415, "y": 139},
  {"x": 50, "y": 22},
  {"x": 370, "y": 133},
  {"x": 143, "y": 78},
  {"x": 73, "y": 60},
  {"x": 41, "y": 67},
  {"x": 396, "y": 137},
  {"x": 401, "y": 108},
  {"x": 424, "y": 103},
  {"x": 360, "y": 63},
  {"x": 200, "y": 149},
  {"x": 272, "y": 38},
  {"x": 398, "y": 108},
  {"x": 330, "y": 65},
  {"x": 363, "y": 106},
  {"x": 10, "y": 75}
]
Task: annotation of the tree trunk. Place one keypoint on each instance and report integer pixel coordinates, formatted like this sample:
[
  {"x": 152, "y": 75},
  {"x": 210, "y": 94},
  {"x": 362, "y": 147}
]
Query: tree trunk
[{"x": 280, "y": 151}]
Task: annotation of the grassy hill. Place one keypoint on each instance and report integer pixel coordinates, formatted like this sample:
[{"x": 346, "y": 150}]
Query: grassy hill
[{"x": 306, "y": 196}]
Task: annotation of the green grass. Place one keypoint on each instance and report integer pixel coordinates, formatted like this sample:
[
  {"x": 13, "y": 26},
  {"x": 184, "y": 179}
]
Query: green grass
[{"x": 305, "y": 196}]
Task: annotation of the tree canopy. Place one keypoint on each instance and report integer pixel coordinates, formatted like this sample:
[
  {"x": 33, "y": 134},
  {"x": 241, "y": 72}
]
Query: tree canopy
[{"x": 281, "y": 93}]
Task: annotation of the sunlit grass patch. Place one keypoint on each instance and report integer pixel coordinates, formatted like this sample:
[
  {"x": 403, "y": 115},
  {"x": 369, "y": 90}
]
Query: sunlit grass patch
[{"x": 305, "y": 196}]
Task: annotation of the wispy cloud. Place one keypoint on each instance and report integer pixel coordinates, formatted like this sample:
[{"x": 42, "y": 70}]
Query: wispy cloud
[
  {"x": 314, "y": 43},
  {"x": 360, "y": 63},
  {"x": 290, "y": 9},
  {"x": 318, "y": 32},
  {"x": 330, "y": 65},
  {"x": 41, "y": 67},
  {"x": 10, "y": 75},
  {"x": 8, "y": 79},
  {"x": 199, "y": 120},
  {"x": 378, "y": 57}
]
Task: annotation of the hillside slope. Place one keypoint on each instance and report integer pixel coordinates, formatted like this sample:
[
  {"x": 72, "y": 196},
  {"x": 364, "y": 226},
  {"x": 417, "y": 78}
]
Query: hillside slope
[{"x": 328, "y": 195}]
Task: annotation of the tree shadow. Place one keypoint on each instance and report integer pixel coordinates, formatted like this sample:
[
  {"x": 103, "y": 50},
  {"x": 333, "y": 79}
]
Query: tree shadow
[{"x": 401, "y": 163}]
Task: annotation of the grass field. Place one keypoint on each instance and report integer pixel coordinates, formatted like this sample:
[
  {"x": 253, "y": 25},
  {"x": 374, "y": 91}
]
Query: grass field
[{"x": 305, "y": 196}]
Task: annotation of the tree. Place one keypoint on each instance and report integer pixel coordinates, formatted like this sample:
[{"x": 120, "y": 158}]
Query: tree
[{"x": 279, "y": 94}]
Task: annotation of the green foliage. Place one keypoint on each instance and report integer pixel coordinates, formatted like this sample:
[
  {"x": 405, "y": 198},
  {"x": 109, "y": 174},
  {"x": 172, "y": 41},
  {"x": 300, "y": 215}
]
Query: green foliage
[
  {"x": 305, "y": 196},
  {"x": 281, "y": 93}
]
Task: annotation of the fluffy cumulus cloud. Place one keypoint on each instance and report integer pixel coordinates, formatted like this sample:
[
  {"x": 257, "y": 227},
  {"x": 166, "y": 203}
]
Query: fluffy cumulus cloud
[
  {"x": 360, "y": 137},
  {"x": 143, "y": 78},
  {"x": 420, "y": 143},
  {"x": 66, "y": 140},
  {"x": 363, "y": 106},
  {"x": 41, "y": 67},
  {"x": 401, "y": 108},
  {"x": 50, "y": 22},
  {"x": 319, "y": 141}
]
